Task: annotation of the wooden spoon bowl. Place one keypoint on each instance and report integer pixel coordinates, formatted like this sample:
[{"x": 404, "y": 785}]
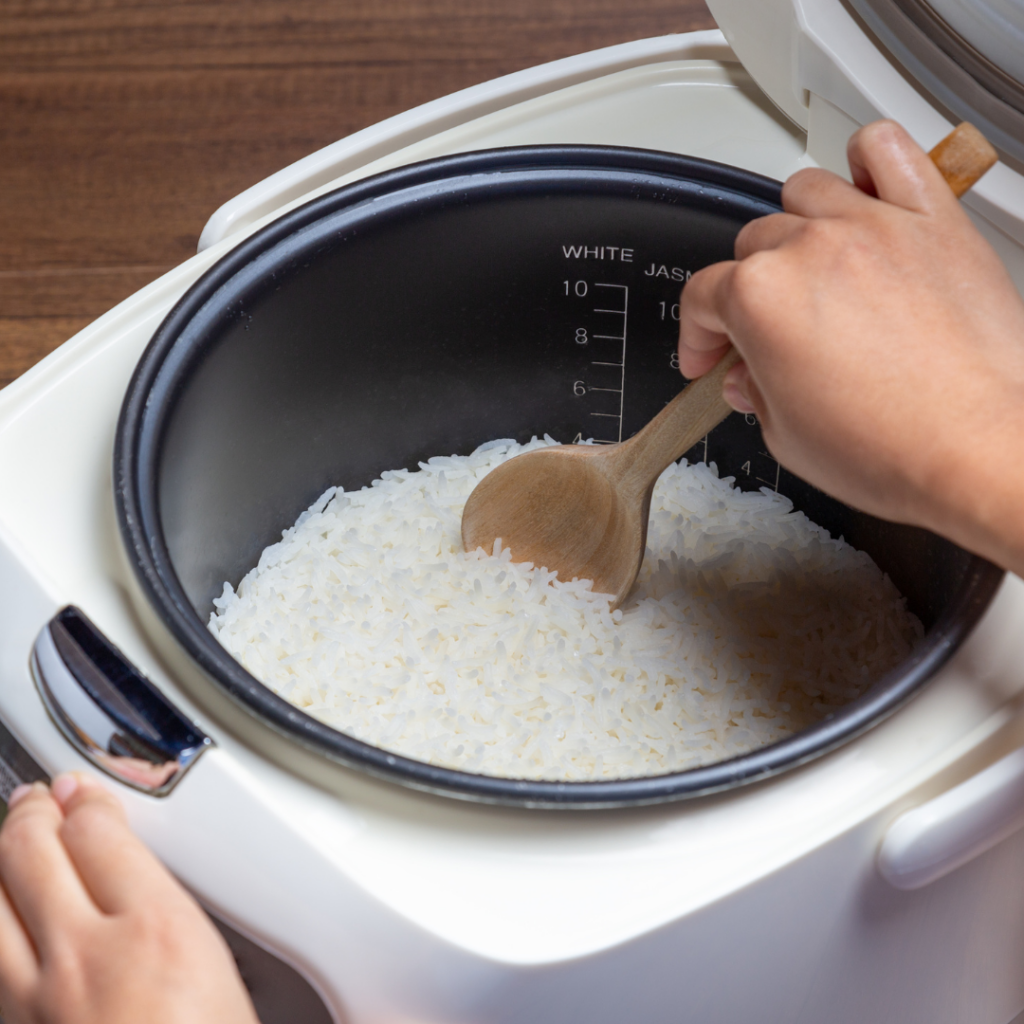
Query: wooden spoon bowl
[
  {"x": 543, "y": 498},
  {"x": 582, "y": 510}
]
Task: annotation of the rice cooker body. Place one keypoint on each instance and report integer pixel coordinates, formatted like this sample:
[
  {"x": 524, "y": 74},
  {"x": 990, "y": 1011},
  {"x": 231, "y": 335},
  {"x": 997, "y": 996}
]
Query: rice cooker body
[{"x": 425, "y": 311}]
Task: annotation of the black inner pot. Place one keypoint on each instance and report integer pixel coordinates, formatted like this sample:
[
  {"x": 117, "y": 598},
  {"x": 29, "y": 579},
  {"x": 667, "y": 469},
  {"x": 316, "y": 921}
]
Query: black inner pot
[{"x": 425, "y": 311}]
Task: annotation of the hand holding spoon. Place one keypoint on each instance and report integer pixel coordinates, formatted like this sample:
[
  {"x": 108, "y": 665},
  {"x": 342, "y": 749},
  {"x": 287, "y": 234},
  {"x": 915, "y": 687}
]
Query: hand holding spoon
[{"x": 582, "y": 510}]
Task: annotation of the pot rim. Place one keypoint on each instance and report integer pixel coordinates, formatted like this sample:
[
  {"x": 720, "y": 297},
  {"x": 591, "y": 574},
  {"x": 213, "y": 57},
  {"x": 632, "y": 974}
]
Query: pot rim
[{"x": 139, "y": 437}]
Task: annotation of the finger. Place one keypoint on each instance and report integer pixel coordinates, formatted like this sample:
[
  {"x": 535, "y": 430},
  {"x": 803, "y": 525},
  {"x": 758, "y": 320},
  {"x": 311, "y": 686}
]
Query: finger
[
  {"x": 117, "y": 869},
  {"x": 37, "y": 873},
  {"x": 696, "y": 364},
  {"x": 886, "y": 162},
  {"x": 703, "y": 334},
  {"x": 19, "y": 965},
  {"x": 767, "y": 233},
  {"x": 813, "y": 192}
]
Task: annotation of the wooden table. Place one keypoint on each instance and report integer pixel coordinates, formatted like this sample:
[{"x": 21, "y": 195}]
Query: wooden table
[{"x": 125, "y": 123}]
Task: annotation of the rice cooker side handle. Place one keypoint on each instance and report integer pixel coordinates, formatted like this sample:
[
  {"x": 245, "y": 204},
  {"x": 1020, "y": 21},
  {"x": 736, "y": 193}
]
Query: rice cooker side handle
[
  {"x": 108, "y": 710},
  {"x": 928, "y": 842}
]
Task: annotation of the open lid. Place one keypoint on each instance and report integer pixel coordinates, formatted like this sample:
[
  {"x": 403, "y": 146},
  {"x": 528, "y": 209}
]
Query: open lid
[
  {"x": 832, "y": 65},
  {"x": 968, "y": 53}
]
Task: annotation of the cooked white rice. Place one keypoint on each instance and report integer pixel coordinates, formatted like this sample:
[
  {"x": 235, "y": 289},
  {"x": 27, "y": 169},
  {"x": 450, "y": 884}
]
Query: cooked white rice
[{"x": 748, "y": 623}]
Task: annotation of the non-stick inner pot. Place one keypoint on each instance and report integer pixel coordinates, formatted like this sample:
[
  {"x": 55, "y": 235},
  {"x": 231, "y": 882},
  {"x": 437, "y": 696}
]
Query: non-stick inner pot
[{"x": 425, "y": 311}]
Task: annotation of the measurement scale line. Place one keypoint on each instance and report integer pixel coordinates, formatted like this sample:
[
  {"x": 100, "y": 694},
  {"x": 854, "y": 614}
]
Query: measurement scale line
[
  {"x": 594, "y": 362},
  {"x": 622, "y": 382},
  {"x": 609, "y": 337},
  {"x": 615, "y": 390},
  {"x": 624, "y": 313}
]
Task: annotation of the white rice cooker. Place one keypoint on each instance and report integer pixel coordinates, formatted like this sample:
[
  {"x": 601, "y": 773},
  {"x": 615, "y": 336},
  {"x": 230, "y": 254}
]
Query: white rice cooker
[{"x": 878, "y": 882}]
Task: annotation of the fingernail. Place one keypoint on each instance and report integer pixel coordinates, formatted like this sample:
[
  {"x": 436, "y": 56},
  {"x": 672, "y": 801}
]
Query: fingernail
[
  {"x": 64, "y": 787},
  {"x": 20, "y": 792}
]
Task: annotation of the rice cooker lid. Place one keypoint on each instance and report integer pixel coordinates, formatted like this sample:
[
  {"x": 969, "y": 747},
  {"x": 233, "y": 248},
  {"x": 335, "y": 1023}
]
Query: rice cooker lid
[{"x": 967, "y": 55}]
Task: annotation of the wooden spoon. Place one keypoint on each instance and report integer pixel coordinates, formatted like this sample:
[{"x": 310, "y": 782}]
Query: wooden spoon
[{"x": 582, "y": 510}]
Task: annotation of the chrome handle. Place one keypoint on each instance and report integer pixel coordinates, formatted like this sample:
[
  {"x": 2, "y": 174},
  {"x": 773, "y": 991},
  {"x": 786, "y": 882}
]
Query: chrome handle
[{"x": 108, "y": 710}]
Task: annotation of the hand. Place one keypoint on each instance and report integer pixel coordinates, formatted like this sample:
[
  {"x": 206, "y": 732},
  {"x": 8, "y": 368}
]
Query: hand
[
  {"x": 882, "y": 343},
  {"x": 93, "y": 929}
]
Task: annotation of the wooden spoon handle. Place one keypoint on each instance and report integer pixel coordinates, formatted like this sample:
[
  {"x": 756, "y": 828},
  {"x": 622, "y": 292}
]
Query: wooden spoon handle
[
  {"x": 963, "y": 156},
  {"x": 698, "y": 408}
]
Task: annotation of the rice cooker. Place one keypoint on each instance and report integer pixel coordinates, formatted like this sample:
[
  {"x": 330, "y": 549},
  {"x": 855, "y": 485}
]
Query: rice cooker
[{"x": 409, "y": 291}]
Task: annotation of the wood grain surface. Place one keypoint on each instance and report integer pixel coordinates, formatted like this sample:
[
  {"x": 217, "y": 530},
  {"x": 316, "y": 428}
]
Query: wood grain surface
[{"x": 125, "y": 123}]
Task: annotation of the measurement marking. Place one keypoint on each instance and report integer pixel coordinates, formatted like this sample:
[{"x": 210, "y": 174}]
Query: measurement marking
[
  {"x": 594, "y": 362},
  {"x": 602, "y": 442},
  {"x": 615, "y": 390},
  {"x": 607, "y": 416},
  {"x": 778, "y": 471},
  {"x": 624, "y": 313},
  {"x": 609, "y": 337}
]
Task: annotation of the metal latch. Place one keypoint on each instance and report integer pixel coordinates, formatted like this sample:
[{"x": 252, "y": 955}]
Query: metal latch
[{"x": 108, "y": 710}]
